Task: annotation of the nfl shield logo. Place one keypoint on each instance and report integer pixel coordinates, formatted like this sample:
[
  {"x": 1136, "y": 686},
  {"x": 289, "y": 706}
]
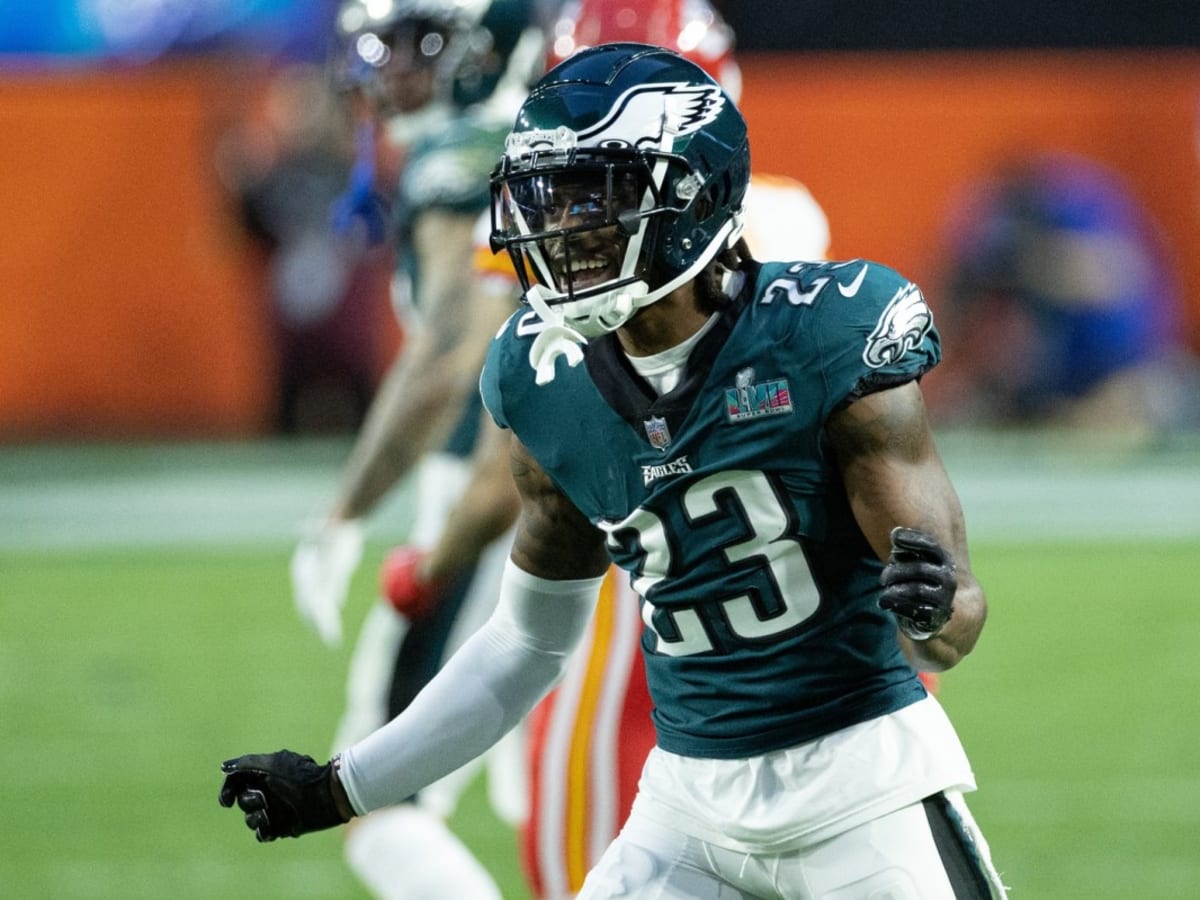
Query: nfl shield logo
[{"x": 656, "y": 430}]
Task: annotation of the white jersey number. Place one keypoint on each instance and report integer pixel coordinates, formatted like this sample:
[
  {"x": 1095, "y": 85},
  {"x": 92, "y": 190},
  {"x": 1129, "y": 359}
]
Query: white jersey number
[{"x": 749, "y": 497}]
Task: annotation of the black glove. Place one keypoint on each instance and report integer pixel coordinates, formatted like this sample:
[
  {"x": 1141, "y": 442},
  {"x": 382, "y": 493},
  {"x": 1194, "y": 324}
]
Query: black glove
[
  {"x": 282, "y": 794},
  {"x": 919, "y": 582}
]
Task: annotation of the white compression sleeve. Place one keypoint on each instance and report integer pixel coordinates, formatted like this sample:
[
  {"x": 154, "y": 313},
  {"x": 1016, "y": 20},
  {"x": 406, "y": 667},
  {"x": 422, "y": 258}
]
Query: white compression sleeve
[{"x": 483, "y": 691}]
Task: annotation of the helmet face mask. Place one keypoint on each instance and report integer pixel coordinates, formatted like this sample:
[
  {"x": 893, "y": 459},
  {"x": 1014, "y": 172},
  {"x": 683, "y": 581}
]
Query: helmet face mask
[
  {"x": 577, "y": 226},
  {"x": 623, "y": 178}
]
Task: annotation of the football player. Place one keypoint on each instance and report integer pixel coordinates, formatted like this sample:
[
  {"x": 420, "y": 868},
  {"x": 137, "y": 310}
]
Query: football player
[
  {"x": 589, "y": 737},
  {"x": 747, "y": 440},
  {"x": 442, "y": 80}
]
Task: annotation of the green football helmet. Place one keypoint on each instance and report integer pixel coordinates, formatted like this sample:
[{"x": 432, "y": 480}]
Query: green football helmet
[
  {"x": 472, "y": 47},
  {"x": 622, "y": 179}
]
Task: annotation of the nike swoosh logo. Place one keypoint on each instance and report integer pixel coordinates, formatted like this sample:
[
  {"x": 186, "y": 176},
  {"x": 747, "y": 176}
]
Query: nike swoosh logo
[{"x": 849, "y": 290}]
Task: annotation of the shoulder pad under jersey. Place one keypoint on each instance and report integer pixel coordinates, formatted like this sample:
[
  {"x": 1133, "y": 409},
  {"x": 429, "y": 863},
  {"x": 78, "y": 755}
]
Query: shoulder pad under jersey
[
  {"x": 870, "y": 327},
  {"x": 451, "y": 168}
]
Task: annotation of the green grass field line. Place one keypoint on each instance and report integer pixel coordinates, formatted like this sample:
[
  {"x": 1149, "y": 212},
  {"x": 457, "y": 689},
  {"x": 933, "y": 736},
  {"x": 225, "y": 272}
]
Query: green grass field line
[
  {"x": 1013, "y": 487},
  {"x": 126, "y": 676},
  {"x": 147, "y": 633}
]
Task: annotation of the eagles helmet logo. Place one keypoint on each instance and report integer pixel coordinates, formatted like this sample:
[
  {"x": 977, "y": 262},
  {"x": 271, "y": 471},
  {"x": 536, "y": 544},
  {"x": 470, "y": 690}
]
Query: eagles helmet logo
[
  {"x": 651, "y": 116},
  {"x": 645, "y": 117},
  {"x": 902, "y": 326}
]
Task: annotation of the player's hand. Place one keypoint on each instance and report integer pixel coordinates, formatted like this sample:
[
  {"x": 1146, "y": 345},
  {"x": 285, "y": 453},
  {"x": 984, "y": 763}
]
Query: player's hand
[
  {"x": 401, "y": 582},
  {"x": 919, "y": 582},
  {"x": 281, "y": 794},
  {"x": 322, "y": 566}
]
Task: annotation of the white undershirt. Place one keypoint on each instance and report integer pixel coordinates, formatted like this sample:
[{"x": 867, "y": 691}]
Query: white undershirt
[{"x": 663, "y": 370}]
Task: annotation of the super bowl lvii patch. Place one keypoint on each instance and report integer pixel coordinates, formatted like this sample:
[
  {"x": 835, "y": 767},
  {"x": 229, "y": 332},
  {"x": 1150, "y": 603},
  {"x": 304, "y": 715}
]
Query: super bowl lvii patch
[{"x": 749, "y": 399}]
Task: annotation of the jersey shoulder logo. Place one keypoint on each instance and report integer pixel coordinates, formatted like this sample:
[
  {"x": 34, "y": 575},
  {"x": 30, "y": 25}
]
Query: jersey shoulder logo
[
  {"x": 442, "y": 177},
  {"x": 902, "y": 326}
]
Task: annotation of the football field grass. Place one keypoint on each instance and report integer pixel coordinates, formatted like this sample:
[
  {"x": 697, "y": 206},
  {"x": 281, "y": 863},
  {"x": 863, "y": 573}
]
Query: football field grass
[{"x": 147, "y": 633}]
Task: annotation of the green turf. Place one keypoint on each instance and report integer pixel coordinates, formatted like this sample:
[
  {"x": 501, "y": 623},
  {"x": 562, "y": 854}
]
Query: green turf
[
  {"x": 125, "y": 678},
  {"x": 1080, "y": 709},
  {"x": 127, "y": 675}
]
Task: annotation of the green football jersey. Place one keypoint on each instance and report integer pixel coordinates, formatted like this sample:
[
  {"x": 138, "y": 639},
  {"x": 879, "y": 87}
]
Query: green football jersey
[
  {"x": 720, "y": 498},
  {"x": 448, "y": 169}
]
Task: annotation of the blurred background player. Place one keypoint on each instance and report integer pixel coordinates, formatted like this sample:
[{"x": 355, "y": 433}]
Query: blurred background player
[
  {"x": 1062, "y": 295},
  {"x": 442, "y": 80}
]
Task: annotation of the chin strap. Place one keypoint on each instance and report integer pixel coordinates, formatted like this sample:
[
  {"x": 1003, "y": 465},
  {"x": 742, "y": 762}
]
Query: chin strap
[
  {"x": 553, "y": 342},
  {"x": 556, "y": 339},
  {"x": 604, "y": 315}
]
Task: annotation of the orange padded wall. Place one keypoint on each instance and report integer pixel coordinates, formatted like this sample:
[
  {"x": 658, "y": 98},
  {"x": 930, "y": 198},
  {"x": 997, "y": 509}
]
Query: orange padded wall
[
  {"x": 886, "y": 141},
  {"x": 131, "y": 306},
  {"x": 128, "y": 305}
]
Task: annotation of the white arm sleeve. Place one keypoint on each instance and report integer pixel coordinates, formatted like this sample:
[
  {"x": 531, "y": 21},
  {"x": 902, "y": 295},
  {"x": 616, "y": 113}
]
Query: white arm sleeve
[{"x": 496, "y": 677}]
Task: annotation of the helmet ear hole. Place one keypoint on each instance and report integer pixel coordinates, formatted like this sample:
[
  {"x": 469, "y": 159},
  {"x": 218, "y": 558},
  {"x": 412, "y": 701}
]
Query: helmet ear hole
[{"x": 720, "y": 195}]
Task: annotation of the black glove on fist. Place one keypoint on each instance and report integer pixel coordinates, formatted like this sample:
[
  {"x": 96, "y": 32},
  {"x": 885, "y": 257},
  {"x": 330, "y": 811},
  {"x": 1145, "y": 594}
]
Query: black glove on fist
[
  {"x": 282, "y": 794},
  {"x": 919, "y": 582}
]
